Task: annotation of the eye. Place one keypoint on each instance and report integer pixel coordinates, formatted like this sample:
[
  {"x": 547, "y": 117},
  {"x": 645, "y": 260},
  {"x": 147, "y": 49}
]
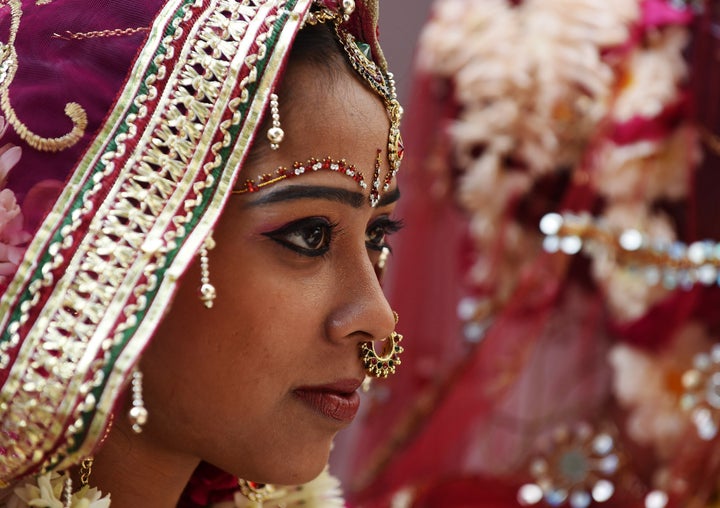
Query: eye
[
  {"x": 309, "y": 237},
  {"x": 377, "y": 233}
]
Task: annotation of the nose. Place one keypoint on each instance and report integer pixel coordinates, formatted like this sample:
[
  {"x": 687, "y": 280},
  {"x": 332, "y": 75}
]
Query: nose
[{"x": 361, "y": 311}]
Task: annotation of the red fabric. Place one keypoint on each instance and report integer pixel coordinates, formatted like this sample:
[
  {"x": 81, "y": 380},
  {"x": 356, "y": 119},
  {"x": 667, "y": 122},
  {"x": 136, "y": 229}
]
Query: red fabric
[
  {"x": 458, "y": 422},
  {"x": 208, "y": 485}
]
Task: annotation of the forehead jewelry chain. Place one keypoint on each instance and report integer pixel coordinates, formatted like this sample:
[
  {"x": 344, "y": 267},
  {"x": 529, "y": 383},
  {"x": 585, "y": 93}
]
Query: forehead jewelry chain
[{"x": 300, "y": 168}]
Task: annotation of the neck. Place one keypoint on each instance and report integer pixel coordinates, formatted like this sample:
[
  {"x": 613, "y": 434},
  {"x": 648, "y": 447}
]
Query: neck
[{"x": 138, "y": 472}]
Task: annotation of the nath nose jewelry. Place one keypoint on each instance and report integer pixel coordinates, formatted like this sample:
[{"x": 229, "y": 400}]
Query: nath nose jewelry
[{"x": 383, "y": 364}]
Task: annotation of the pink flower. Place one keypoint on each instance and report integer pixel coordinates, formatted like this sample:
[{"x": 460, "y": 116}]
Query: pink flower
[
  {"x": 659, "y": 13},
  {"x": 13, "y": 236}
]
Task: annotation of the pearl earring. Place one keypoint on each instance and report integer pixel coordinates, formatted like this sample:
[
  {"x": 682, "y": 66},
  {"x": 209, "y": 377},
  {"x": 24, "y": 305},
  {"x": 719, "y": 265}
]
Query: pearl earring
[
  {"x": 207, "y": 290},
  {"x": 138, "y": 413},
  {"x": 275, "y": 134}
]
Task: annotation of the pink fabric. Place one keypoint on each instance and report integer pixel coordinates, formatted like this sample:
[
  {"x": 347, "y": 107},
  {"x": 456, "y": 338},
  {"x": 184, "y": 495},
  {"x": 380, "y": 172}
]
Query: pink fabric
[{"x": 53, "y": 71}]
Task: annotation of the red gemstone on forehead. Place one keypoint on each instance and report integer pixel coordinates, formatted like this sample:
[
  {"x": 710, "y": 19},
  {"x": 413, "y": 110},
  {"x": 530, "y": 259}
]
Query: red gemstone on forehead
[{"x": 251, "y": 187}]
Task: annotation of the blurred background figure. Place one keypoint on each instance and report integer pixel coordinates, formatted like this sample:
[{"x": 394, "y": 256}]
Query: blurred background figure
[{"x": 558, "y": 273}]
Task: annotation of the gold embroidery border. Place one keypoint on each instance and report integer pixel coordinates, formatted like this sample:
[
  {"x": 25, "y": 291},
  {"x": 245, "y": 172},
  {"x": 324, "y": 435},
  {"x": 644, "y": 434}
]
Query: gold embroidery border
[
  {"x": 128, "y": 358},
  {"x": 41, "y": 241},
  {"x": 124, "y": 362}
]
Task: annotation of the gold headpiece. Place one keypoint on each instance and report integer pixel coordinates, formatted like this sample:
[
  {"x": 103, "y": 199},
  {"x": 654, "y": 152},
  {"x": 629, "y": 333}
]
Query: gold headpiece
[{"x": 382, "y": 82}]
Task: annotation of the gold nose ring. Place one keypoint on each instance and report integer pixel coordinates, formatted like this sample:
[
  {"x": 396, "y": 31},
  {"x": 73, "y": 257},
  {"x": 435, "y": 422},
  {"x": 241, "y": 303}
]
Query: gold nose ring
[{"x": 383, "y": 364}]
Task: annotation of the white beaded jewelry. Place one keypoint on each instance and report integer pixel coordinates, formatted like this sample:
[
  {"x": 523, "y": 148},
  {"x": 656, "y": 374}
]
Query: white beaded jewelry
[
  {"x": 275, "y": 134},
  {"x": 207, "y": 290},
  {"x": 138, "y": 413},
  {"x": 68, "y": 492}
]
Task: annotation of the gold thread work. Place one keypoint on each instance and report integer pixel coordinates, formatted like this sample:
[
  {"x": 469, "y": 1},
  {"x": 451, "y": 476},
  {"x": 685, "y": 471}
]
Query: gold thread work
[
  {"x": 8, "y": 68},
  {"x": 146, "y": 192},
  {"x": 95, "y": 34}
]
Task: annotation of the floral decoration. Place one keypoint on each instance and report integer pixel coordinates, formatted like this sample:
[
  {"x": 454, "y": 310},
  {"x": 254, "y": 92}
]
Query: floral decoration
[
  {"x": 650, "y": 387},
  {"x": 578, "y": 113},
  {"x": 48, "y": 491},
  {"x": 13, "y": 237},
  {"x": 577, "y": 467},
  {"x": 600, "y": 99},
  {"x": 702, "y": 392},
  {"x": 18, "y": 221}
]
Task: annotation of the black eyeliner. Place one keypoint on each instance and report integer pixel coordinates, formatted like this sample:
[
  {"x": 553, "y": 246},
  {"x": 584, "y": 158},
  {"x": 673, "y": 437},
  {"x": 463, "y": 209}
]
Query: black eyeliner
[{"x": 296, "y": 227}]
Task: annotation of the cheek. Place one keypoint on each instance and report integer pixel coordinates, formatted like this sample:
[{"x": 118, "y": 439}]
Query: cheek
[{"x": 259, "y": 333}]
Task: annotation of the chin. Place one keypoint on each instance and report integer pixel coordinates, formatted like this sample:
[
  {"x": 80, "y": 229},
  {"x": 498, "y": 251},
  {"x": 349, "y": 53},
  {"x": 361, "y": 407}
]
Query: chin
[{"x": 289, "y": 466}]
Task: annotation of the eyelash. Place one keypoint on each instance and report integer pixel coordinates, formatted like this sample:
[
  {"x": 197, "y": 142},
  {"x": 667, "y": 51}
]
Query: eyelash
[
  {"x": 303, "y": 229},
  {"x": 308, "y": 225},
  {"x": 388, "y": 227}
]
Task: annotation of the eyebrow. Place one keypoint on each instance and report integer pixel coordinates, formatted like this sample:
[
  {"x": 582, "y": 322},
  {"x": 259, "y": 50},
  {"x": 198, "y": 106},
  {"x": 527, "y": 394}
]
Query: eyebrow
[{"x": 344, "y": 196}]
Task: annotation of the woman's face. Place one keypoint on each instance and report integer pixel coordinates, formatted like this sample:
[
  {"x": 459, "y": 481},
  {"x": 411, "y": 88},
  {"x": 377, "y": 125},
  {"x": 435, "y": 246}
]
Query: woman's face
[{"x": 260, "y": 384}]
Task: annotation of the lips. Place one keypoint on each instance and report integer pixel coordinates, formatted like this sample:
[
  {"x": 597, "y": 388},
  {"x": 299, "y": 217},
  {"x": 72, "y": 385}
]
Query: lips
[{"x": 338, "y": 401}]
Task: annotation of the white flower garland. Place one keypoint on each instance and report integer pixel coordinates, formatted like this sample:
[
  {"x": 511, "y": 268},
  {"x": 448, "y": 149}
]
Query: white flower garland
[
  {"x": 48, "y": 491},
  {"x": 534, "y": 99}
]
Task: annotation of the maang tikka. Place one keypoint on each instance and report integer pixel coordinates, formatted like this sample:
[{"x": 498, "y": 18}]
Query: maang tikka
[{"x": 378, "y": 79}]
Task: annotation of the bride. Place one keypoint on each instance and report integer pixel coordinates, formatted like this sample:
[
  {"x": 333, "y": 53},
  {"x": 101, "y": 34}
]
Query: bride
[{"x": 190, "y": 257}]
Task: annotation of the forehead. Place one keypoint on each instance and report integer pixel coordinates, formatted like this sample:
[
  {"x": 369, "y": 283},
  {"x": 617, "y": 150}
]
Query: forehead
[{"x": 325, "y": 116}]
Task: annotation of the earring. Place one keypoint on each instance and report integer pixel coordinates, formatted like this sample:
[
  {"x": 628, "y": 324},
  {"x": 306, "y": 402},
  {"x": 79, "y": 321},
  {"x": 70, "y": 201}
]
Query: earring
[
  {"x": 256, "y": 492},
  {"x": 381, "y": 365},
  {"x": 382, "y": 263},
  {"x": 85, "y": 471},
  {"x": 275, "y": 134},
  {"x": 207, "y": 290},
  {"x": 138, "y": 414}
]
